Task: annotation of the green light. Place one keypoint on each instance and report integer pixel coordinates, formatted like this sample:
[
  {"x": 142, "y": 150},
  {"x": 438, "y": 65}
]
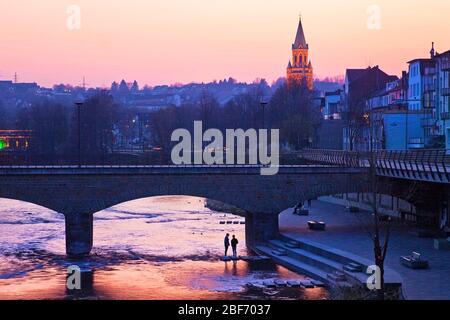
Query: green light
[{"x": 2, "y": 144}]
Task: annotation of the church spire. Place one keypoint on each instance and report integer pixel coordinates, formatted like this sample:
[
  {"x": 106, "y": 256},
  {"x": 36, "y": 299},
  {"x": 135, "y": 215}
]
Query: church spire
[
  {"x": 300, "y": 67},
  {"x": 300, "y": 41},
  {"x": 432, "y": 52}
]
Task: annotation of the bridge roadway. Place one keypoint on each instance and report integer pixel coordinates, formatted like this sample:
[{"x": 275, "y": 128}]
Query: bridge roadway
[{"x": 172, "y": 169}]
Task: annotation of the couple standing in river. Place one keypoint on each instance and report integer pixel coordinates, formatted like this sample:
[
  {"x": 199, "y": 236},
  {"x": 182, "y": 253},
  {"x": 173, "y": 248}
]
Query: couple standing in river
[{"x": 234, "y": 242}]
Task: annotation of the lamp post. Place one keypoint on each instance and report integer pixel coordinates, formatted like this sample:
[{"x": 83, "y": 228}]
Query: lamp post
[{"x": 79, "y": 103}]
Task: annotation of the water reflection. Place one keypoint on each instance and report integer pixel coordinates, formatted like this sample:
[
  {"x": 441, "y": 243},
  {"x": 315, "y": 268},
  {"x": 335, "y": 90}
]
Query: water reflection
[{"x": 158, "y": 248}]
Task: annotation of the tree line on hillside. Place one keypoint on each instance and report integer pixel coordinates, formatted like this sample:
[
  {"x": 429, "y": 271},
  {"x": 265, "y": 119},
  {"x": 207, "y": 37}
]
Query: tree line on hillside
[
  {"x": 54, "y": 126},
  {"x": 290, "y": 110}
]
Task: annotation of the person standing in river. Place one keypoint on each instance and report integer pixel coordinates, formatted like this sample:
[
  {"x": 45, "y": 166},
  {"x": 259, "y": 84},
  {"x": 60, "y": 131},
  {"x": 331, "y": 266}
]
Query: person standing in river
[
  {"x": 234, "y": 243},
  {"x": 226, "y": 243}
]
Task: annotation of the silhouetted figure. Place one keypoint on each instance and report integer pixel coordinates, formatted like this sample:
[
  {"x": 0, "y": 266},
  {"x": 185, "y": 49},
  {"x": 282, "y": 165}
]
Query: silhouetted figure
[
  {"x": 309, "y": 203},
  {"x": 299, "y": 207},
  {"x": 226, "y": 243},
  {"x": 234, "y": 243}
]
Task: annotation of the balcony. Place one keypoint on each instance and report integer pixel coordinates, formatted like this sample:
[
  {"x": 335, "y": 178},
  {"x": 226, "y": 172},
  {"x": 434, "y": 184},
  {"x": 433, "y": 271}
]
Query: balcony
[
  {"x": 446, "y": 92},
  {"x": 446, "y": 65},
  {"x": 416, "y": 143},
  {"x": 445, "y": 116},
  {"x": 429, "y": 87},
  {"x": 428, "y": 122}
]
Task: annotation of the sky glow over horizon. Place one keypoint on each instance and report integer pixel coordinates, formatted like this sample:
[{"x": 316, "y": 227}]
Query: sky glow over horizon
[{"x": 183, "y": 41}]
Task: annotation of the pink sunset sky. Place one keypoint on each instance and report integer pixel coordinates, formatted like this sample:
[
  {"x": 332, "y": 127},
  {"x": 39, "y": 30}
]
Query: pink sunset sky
[{"x": 169, "y": 41}]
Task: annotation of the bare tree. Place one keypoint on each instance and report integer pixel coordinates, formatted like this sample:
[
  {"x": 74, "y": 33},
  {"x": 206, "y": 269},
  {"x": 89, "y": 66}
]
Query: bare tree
[
  {"x": 355, "y": 121},
  {"x": 382, "y": 227}
]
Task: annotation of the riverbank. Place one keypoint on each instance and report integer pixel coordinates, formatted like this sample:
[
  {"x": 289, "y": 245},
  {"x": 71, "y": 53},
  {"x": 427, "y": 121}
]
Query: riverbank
[
  {"x": 347, "y": 231},
  {"x": 223, "y": 207},
  {"x": 330, "y": 266}
]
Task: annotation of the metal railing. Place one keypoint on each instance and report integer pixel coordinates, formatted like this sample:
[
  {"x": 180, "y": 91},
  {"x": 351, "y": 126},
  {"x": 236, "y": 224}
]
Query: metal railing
[
  {"x": 446, "y": 65},
  {"x": 333, "y": 157},
  {"x": 445, "y": 115},
  {"x": 428, "y": 122},
  {"x": 429, "y": 165}
]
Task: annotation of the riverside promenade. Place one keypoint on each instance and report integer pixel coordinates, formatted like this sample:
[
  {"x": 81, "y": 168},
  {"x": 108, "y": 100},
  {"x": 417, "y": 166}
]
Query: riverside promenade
[{"x": 348, "y": 232}]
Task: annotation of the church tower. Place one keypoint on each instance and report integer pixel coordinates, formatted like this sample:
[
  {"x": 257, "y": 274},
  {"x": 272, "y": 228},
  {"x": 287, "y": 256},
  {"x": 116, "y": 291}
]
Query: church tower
[{"x": 300, "y": 68}]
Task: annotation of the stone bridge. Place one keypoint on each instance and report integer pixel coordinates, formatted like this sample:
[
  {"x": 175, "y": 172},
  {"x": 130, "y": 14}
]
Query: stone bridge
[{"x": 79, "y": 192}]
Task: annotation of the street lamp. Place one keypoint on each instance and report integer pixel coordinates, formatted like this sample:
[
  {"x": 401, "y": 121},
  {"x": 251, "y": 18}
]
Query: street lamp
[
  {"x": 368, "y": 120},
  {"x": 79, "y": 103}
]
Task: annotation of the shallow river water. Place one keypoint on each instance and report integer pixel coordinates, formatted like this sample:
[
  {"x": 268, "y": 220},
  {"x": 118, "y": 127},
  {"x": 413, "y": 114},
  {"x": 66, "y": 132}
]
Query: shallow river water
[{"x": 156, "y": 248}]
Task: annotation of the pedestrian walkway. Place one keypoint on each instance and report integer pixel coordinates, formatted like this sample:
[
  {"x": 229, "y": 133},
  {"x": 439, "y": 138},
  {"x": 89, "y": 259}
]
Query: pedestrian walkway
[{"x": 349, "y": 232}]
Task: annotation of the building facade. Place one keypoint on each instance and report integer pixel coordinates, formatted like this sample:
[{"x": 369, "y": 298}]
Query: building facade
[
  {"x": 421, "y": 83},
  {"x": 360, "y": 85},
  {"x": 442, "y": 97},
  {"x": 429, "y": 93},
  {"x": 380, "y": 108},
  {"x": 300, "y": 68},
  {"x": 13, "y": 141},
  {"x": 333, "y": 106}
]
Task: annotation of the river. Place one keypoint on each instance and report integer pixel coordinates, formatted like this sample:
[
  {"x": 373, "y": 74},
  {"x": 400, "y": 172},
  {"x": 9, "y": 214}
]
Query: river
[{"x": 155, "y": 248}]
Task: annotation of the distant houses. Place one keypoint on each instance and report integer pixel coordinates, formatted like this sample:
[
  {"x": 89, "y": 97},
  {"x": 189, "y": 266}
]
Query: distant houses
[{"x": 18, "y": 88}]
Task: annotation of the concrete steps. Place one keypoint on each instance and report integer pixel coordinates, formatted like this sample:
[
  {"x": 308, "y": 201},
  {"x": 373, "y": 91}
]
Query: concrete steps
[
  {"x": 326, "y": 266},
  {"x": 330, "y": 266},
  {"x": 307, "y": 257},
  {"x": 336, "y": 272},
  {"x": 294, "y": 264},
  {"x": 331, "y": 260},
  {"x": 335, "y": 255}
]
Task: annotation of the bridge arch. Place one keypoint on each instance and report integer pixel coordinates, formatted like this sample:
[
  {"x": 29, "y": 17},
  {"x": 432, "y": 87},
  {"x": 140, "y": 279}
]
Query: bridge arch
[
  {"x": 23, "y": 224},
  {"x": 30, "y": 201}
]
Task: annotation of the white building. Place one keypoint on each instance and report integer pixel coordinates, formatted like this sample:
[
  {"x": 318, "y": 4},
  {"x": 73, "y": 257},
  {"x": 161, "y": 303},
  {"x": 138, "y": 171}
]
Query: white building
[
  {"x": 421, "y": 75},
  {"x": 332, "y": 109}
]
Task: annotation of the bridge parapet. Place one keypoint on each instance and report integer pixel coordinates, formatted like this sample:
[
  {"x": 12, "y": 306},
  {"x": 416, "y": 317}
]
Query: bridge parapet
[{"x": 173, "y": 170}]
